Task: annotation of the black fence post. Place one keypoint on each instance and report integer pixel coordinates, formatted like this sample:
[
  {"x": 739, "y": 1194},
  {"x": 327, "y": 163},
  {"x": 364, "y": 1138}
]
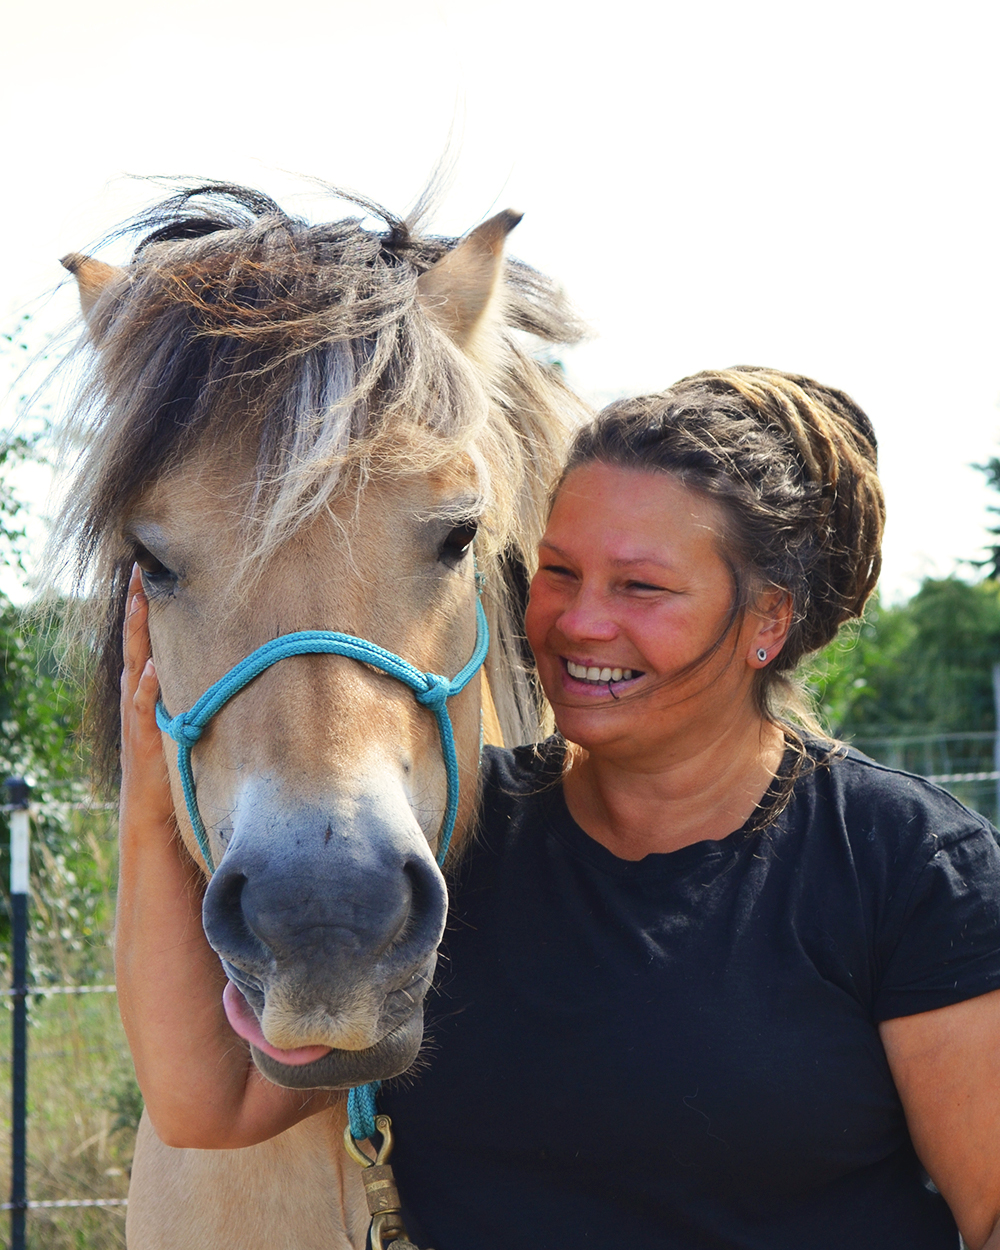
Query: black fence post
[{"x": 18, "y": 791}]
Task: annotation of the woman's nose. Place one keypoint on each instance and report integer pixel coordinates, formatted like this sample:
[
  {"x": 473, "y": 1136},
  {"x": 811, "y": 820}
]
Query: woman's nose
[{"x": 587, "y": 616}]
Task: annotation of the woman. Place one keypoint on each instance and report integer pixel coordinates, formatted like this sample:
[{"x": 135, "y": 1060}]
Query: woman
[{"x": 708, "y": 982}]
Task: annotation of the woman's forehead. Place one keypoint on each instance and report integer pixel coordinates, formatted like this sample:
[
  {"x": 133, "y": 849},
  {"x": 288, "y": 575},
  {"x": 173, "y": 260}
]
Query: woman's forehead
[
  {"x": 625, "y": 497},
  {"x": 628, "y": 517}
]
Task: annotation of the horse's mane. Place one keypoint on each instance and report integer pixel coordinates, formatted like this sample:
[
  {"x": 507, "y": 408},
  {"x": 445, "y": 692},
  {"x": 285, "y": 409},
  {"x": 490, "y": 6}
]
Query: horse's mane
[{"x": 307, "y": 344}]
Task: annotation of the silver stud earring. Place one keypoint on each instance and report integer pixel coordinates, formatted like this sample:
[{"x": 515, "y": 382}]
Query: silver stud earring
[{"x": 761, "y": 654}]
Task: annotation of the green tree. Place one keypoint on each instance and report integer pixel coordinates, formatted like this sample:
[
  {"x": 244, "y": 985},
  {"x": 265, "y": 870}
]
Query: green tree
[
  {"x": 921, "y": 667},
  {"x": 40, "y": 719},
  {"x": 991, "y": 470}
]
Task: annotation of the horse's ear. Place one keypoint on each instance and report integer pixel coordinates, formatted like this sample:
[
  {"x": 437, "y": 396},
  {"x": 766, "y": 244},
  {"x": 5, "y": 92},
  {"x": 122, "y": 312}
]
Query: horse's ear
[
  {"x": 92, "y": 276},
  {"x": 456, "y": 293}
]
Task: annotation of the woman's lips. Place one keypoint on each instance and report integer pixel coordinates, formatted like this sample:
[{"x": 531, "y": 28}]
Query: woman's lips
[
  {"x": 243, "y": 1022},
  {"x": 591, "y": 680},
  {"x": 583, "y": 672}
]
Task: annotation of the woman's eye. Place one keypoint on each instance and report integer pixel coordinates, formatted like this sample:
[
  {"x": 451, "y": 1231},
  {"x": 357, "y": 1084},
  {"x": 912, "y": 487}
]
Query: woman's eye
[
  {"x": 644, "y": 587},
  {"x": 458, "y": 541}
]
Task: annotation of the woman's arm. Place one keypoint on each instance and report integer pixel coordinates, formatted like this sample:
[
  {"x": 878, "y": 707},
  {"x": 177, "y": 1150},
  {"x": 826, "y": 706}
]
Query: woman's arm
[
  {"x": 197, "y": 1077},
  {"x": 946, "y": 1065}
]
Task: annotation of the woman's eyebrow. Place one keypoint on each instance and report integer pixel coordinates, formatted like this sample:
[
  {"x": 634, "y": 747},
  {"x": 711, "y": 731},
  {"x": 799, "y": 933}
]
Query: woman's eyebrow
[
  {"x": 621, "y": 562},
  {"x": 618, "y": 562}
]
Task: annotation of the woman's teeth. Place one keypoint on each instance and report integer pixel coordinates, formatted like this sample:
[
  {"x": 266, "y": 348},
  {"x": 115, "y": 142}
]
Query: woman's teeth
[{"x": 582, "y": 673}]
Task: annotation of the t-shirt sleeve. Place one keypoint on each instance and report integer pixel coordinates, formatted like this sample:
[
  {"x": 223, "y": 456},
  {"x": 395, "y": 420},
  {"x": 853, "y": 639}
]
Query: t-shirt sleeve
[{"x": 943, "y": 943}]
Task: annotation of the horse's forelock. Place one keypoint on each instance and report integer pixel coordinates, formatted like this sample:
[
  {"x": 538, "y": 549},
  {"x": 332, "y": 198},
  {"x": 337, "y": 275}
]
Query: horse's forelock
[{"x": 306, "y": 343}]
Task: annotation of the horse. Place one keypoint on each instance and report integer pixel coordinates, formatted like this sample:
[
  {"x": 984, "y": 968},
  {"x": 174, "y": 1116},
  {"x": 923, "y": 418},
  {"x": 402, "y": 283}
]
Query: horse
[{"x": 293, "y": 429}]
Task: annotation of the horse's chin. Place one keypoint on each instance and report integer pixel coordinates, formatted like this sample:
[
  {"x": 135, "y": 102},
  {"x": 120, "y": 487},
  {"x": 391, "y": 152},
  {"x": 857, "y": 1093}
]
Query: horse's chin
[{"x": 343, "y": 1069}]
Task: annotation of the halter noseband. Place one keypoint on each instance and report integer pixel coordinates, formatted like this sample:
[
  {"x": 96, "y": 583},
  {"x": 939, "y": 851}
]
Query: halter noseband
[{"x": 432, "y": 691}]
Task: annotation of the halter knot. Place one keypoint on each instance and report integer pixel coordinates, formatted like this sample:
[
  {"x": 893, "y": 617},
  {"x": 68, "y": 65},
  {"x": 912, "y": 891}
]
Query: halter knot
[
  {"x": 439, "y": 690},
  {"x": 183, "y": 731}
]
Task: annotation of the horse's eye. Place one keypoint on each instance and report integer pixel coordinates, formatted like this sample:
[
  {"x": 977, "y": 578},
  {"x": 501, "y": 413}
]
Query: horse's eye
[
  {"x": 459, "y": 541},
  {"x": 153, "y": 570}
]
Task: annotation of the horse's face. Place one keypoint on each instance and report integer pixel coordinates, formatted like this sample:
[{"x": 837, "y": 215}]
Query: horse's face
[
  {"x": 243, "y": 353},
  {"x": 321, "y": 784}
]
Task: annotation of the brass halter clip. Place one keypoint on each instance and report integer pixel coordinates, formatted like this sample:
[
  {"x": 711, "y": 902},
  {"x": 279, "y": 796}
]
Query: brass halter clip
[{"x": 388, "y": 1230}]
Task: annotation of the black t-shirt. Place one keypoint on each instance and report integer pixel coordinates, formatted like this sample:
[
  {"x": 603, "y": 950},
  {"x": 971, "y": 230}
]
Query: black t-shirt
[{"x": 682, "y": 1051}]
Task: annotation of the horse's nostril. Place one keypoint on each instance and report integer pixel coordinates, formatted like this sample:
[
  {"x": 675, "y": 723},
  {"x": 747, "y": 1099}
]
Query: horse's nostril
[
  {"x": 426, "y": 903},
  {"x": 225, "y": 921},
  {"x": 314, "y": 918},
  {"x": 416, "y": 874},
  {"x": 415, "y": 914}
]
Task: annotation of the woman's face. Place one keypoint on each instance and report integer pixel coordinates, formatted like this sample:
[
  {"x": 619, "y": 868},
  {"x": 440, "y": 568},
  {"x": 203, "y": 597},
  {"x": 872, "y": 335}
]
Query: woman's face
[{"x": 631, "y": 588}]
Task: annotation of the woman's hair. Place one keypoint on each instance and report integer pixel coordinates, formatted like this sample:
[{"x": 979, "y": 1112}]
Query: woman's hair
[{"x": 792, "y": 466}]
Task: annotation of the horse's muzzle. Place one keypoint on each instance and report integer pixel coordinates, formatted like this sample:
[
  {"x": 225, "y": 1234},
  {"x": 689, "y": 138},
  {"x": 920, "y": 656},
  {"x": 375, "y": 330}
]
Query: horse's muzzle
[{"x": 329, "y": 927}]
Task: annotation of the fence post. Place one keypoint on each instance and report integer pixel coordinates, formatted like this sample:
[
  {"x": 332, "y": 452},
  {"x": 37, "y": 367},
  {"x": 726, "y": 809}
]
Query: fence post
[{"x": 18, "y": 791}]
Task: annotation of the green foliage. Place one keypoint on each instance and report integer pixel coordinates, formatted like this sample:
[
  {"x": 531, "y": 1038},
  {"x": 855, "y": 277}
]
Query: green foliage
[
  {"x": 924, "y": 666},
  {"x": 846, "y": 677},
  {"x": 40, "y": 739},
  {"x": 40, "y": 716},
  {"x": 40, "y": 712}
]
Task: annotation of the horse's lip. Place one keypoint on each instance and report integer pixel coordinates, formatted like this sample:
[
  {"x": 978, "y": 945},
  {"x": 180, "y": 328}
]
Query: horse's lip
[
  {"x": 244, "y": 1023},
  {"x": 250, "y": 988},
  {"x": 345, "y": 1069},
  {"x": 402, "y": 1002}
]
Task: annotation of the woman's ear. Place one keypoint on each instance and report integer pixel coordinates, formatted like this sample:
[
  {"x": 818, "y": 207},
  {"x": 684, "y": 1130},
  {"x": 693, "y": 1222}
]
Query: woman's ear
[{"x": 772, "y": 618}]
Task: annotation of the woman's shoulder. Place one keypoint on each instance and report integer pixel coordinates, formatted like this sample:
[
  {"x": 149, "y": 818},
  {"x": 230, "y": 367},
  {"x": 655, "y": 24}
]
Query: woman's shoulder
[
  {"x": 889, "y": 825},
  {"x": 903, "y": 866},
  {"x": 939, "y": 918},
  {"x": 862, "y": 791}
]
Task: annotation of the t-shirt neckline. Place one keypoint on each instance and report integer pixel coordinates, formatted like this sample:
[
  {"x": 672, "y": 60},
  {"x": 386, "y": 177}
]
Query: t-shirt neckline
[{"x": 707, "y": 851}]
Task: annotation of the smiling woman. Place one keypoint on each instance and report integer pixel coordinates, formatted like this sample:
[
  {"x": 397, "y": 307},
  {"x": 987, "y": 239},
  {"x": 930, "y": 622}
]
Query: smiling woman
[
  {"x": 708, "y": 973},
  {"x": 708, "y": 977}
]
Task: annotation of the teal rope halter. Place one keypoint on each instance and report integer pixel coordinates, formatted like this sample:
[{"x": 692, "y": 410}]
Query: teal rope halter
[{"x": 431, "y": 690}]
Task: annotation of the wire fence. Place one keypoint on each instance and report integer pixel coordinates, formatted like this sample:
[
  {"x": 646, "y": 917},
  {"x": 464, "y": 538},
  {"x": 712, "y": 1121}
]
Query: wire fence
[
  {"x": 47, "y": 991},
  {"x": 76, "y": 1052},
  {"x": 60, "y": 1203},
  {"x": 72, "y": 1121}
]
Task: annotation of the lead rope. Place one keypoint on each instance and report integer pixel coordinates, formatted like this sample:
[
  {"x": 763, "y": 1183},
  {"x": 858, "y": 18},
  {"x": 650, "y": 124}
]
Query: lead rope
[{"x": 433, "y": 692}]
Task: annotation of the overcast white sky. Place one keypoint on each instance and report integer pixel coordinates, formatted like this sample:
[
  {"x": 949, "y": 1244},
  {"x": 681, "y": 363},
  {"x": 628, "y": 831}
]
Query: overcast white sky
[{"x": 810, "y": 186}]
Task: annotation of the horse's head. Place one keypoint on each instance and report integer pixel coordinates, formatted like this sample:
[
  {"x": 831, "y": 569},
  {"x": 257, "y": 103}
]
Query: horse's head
[{"x": 305, "y": 429}]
